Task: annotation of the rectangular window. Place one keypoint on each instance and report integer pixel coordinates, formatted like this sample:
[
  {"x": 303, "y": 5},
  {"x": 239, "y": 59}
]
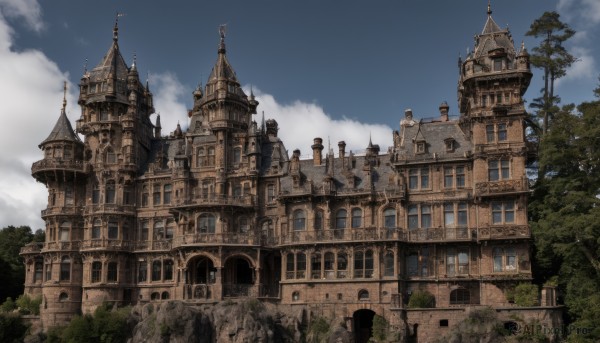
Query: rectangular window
[
  {"x": 413, "y": 217},
  {"x": 502, "y": 135},
  {"x": 425, "y": 216},
  {"x": 48, "y": 272},
  {"x": 498, "y": 170},
  {"x": 419, "y": 220},
  {"x": 484, "y": 100},
  {"x": 460, "y": 177},
  {"x": 449, "y": 215},
  {"x": 497, "y": 64},
  {"x": 424, "y": 178},
  {"x": 489, "y": 133},
  {"x": 96, "y": 271},
  {"x": 463, "y": 261},
  {"x": 156, "y": 195},
  {"x": 499, "y": 98},
  {"x": 167, "y": 194},
  {"x": 451, "y": 262},
  {"x": 111, "y": 272},
  {"x": 503, "y": 212},
  {"x": 462, "y": 214},
  {"x": 142, "y": 271},
  {"x": 270, "y": 193},
  {"x": 448, "y": 177},
  {"x": 413, "y": 178},
  {"x": 113, "y": 230},
  {"x": 69, "y": 195}
]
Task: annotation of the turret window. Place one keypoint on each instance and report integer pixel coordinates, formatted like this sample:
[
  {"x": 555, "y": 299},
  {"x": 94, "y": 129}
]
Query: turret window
[
  {"x": 96, "y": 272},
  {"x": 69, "y": 195},
  {"x": 270, "y": 193},
  {"x": 206, "y": 223},
  {"x": 65, "y": 229},
  {"x": 37, "y": 271}
]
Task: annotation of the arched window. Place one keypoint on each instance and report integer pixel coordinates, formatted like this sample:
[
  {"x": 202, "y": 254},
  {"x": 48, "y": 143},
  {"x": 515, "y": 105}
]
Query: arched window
[
  {"x": 356, "y": 218},
  {"x": 318, "y": 220},
  {"x": 65, "y": 268},
  {"x": 65, "y": 229},
  {"x": 315, "y": 265},
  {"x": 96, "y": 229},
  {"x": 110, "y": 192},
  {"x": 164, "y": 295},
  {"x": 168, "y": 264},
  {"x": 342, "y": 265},
  {"x": 328, "y": 264},
  {"x": 167, "y": 194},
  {"x": 144, "y": 229},
  {"x": 388, "y": 264},
  {"x": 95, "y": 193},
  {"x": 389, "y": 218},
  {"x": 63, "y": 297},
  {"x": 460, "y": 296},
  {"x": 299, "y": 220},
  {"x": 159, "y": 229},
  {"x": 111, "y": 272},
  {"x": 206, "y": 223},
  {"x": 211, "y": 156},
  {"x": 155, "y": 296},
  {"x": 96, "y": 271},
  {"x": 363, "y": 294},
  {"x": 156, "y": 271},
  {"x": 300, "y": 265}
]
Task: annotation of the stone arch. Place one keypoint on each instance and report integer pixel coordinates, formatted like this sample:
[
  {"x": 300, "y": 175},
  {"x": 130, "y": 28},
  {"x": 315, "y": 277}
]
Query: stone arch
[{"x": 362, "y": 325}]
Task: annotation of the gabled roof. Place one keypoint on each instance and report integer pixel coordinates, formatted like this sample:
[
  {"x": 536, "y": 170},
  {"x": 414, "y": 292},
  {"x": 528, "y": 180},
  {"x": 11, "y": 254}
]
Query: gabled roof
[{"x": 62, "y": 131}]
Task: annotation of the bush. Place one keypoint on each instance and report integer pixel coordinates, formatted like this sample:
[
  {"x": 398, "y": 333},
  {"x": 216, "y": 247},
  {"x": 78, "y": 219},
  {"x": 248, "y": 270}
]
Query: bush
[
  {"x": 107, "y": 325},
  {"x": 318, "y": 330},
  {"x": 12, "y": 328},
  {"x": 526, "y": 295},
  {"x": 28, "y": 305},
  {"x": 8, "y": 306},
  {"x": 421, "y": 299},
  {"x": 380, "y": 328}
]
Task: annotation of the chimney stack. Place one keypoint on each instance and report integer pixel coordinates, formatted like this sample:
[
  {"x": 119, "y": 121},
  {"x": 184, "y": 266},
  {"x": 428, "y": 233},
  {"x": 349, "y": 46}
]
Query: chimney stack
[
  {"x": 444, "y": 111},
  {"x": 317, "y": 151}
]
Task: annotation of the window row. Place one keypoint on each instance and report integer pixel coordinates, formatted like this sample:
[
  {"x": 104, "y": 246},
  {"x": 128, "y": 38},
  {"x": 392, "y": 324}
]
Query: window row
[
  {"x": 39, "y": 269},
  {"x": 330, "y": 265},
  {"x": 159, "y": 232},
  {"x": 161, "y": 270},
  {"x": 110, "y": 194},
  {"x": 419, "y": 178},
  {"x": 110, "y": 231},
  {"x": 161, "y": 194}
]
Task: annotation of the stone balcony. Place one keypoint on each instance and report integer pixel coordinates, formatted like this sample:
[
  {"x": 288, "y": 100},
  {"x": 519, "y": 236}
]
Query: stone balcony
[
  {"x": 62, "y": 210},
  {"x": 503, "y": 232},
  {"x": 110, "y": 209},
  {"x": 31, "y": 248},
  {"x": 61, "y": 246},
  {"x": 503, "y": 187},
  {"x": 107, "y": 244},
  {"x": 217, "y": 200},
  {"x": 447, "y": 234},
  {"x": 216, "y": 239},
  {"x": 345, "y": 235},
  {"x": 51, "y": 169}
]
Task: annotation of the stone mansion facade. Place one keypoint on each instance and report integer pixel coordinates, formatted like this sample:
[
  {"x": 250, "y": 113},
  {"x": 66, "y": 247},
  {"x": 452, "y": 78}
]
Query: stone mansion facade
[{"x": 223, "y": 211}]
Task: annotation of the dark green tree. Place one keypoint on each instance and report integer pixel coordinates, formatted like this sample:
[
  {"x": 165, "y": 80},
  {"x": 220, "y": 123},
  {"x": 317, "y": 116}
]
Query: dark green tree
[
  {"x": 552, "y": 57},
  {"x": 12, "y": 239},
  {"x": 565, "y": 214}
]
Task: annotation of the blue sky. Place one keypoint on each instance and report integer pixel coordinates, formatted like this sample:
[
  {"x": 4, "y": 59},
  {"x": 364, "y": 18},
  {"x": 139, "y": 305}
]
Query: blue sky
[{"x": 339, "y": 70}]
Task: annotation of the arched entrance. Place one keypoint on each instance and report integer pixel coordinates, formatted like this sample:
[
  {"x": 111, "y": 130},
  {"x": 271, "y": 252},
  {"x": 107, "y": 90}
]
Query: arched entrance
[
  {"x": 238, "y": 278},
  {"x": 201, "y": 274},
  {"x": 362, "y": 324}
]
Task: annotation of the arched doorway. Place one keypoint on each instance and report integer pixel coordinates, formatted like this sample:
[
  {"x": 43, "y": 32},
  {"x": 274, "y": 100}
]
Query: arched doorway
[
  {"x": 201, "y": 274},
  {"x": 238, "y": 278},
  {"x": 362, "y": 324}
]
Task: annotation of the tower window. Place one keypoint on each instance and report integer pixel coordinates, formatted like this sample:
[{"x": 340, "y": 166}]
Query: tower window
[{"x": 96, "y": 271}]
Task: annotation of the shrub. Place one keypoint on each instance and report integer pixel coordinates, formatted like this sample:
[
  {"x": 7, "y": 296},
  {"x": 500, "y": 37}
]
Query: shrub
[
  {"x": 380, "y": 328},
  {"x": 28, "y": 305},
  {"x": 526, "y": 295},
  {"x": 8, "y": 306},
  {"x": 421, "y": 299},
  {"x": 12, "y": 328},
  {"x": 317, "y": 330}
]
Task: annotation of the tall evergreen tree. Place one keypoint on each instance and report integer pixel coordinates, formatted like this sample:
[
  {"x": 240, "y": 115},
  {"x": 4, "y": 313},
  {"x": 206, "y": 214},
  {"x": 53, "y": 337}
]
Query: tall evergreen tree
[{"x": 552, "y": 57}]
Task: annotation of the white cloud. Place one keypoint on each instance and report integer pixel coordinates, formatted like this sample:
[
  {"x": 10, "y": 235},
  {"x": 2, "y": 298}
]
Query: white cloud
[
  {"x": 583, "y": 69},
  {"x": 586, "y": 10},
  {"x": 34, "y": 85},
  {"x": 299, "y": 122},
  {"x": 168, "y": 93},
  {"x": 29, "y": 10}
]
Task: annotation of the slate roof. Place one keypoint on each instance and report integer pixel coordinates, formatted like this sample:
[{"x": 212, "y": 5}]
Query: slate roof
[
  {"x": 435, "y": 134},
  {"x": 62, "y": 131}
]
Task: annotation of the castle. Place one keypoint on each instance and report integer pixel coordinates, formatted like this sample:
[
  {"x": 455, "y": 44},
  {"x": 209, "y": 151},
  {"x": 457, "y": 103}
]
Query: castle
[{"x": 222, "y": 211}]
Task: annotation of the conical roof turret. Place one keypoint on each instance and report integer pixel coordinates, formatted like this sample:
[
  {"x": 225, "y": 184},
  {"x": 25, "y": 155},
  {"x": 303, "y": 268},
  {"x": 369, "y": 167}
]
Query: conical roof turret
[
  {"x": 62, "y": 131},
  {"x": 112, "y": 65},
  {"x": 222, "y": 69}
]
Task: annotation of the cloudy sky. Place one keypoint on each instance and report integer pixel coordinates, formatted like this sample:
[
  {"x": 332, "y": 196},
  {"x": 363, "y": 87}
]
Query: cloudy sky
[{"x": 339, "y": 70}]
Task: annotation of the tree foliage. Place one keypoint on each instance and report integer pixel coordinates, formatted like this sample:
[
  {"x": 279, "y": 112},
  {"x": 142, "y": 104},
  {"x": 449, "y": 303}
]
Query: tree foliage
[
  {"x": 12, "y": 239},
  {"x": 107, "y": 325},
  {"x": 565, "y": 214},
  {"x": 552, "y": 57},
  {"x": 12, "y": 328},
  {"x": 421, "y": 299}
]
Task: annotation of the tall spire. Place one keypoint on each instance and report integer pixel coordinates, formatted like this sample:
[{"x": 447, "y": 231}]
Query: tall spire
[
  {"x": 222, "y": 32},
  {"x": 64, "y": 96},
  {"x": 489, "y": 8}
]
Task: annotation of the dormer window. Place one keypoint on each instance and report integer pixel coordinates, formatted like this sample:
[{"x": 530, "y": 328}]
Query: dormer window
[
  {"x": 420, "y": 147},
  {"x": 449, "y": 142},
  {"x": 497, "y": 64}
]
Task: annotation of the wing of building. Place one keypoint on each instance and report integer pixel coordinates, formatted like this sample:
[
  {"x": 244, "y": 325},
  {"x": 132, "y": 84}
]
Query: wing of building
[{"x": 222, "y": 211}]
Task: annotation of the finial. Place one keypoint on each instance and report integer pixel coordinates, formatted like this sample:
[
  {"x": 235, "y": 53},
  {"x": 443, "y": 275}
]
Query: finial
[
  {"x": 85, "y": 66},
  {"x": 222, "y": 32},
  {"x": 522, "y": 45},
  {"x": 134, "y": 60},
  {"x": 489, "y": 9},
  {"x": 116, "y": 28},
  {"x": 64, "y": 96}
]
